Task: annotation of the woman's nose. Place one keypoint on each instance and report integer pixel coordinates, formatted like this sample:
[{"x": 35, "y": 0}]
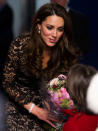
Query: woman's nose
[{"x": 54, "y": 33}]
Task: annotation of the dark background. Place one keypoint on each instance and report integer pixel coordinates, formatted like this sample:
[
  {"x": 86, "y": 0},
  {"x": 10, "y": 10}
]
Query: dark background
[{"x": 89, "y": 8}]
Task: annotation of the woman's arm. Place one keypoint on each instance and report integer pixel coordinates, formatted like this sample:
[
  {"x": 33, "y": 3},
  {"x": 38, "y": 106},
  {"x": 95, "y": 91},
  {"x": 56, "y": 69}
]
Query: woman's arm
[
  {"x": 18, "y": 92},
  {"x": 41, "y": 113},
  {"x": 23, "y": 95}
]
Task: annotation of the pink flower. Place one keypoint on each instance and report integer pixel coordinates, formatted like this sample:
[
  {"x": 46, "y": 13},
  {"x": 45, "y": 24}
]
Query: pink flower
[
  {"x": 58, "y": 93},
  {"x": 63, "y": 77},
  {"x": 64, "y": 93},
  {"x": 55, "y": 99},
  {"x": 71, "y": 103}
]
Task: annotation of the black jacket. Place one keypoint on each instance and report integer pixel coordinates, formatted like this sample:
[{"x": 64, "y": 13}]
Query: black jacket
[
  {"x": 6, "y": 34},
  {"x": 80, "y": 30}
]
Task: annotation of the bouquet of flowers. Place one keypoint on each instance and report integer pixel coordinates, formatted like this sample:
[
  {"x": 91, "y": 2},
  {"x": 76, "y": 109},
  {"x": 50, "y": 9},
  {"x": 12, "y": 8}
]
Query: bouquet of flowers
[
  {"x": 60, "y": 99},
  {"x": 58, "y": 93}
]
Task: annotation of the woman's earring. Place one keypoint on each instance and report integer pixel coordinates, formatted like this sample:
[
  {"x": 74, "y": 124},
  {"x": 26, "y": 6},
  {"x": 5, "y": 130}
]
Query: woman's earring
[{"x": 39, "y": 31}]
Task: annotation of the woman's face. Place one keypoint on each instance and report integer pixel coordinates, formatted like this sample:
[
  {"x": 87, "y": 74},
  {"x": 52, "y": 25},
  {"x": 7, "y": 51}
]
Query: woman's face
[{"x": 52, "y": 29}]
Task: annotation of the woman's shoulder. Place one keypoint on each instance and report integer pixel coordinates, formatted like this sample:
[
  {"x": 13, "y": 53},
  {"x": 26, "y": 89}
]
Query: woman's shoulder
[
  {"x": 19, "y": 43},
  {"x": 21, "y": 38}
]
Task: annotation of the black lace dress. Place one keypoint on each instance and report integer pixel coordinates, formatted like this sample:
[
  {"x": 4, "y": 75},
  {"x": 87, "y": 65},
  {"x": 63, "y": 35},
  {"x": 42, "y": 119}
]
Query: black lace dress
[{"x": 21, "y": 90}]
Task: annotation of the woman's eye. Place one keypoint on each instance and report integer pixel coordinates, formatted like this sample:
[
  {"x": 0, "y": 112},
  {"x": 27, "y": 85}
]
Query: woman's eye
[
  {"x": 61, "y": 29},
  {"x": 49, "y": 27}
]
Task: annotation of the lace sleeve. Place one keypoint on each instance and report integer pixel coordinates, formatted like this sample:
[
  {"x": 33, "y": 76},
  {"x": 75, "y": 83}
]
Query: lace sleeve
[{"x": 18, "y": 92}]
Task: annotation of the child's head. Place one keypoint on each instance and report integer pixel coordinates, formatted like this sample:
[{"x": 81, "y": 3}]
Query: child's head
[{"x": 79, "y": 85}]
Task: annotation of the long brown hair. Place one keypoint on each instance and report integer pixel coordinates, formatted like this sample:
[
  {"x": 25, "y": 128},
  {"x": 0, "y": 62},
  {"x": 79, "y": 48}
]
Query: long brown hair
[
  {"x": 63, "y": 53},
  {"x": 78, "y": 81}
]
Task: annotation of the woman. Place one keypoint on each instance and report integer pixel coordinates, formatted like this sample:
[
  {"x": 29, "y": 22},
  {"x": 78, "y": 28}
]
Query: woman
[
  {"x": 82, "y": 86},
  {"x": 43, "y": 53}
]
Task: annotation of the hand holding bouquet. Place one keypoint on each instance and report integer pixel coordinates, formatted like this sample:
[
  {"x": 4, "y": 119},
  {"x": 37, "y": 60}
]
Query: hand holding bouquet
[{"x": 60, "y": 99}]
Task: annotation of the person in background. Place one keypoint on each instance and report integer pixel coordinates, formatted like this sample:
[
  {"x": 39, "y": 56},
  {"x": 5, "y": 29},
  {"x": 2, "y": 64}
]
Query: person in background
[
  {"x": 6, "y": 33},
  {"x": 82, "y": 86},
  {"x": 41, "y": 54},
  {"x": 80, "y": 27},
  {"x": 6, "y": 36}
]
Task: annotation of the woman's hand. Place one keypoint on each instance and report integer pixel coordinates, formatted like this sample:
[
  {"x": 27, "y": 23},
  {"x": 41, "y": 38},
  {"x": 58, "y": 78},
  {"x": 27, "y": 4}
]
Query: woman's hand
[{"x": 42, "y": 114}]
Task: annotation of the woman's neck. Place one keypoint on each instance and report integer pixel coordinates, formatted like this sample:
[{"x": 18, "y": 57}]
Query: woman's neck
[{"x": 46, "y": 53}]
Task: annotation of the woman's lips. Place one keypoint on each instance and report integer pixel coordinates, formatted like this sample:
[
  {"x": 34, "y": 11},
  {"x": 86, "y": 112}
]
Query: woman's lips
[{"x": 52, "y": 40}]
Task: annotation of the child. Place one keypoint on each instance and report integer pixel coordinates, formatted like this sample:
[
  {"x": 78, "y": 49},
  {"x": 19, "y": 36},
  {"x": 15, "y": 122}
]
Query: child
[{"x": 82, "y": 85}]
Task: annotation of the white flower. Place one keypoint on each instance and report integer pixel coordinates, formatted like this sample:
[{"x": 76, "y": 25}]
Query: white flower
[{"x": 55, "y": 81}]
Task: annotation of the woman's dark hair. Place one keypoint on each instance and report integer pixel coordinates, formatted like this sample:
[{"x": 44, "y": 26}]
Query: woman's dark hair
[
  {"x": 78, "y": 81},
  {"x": 63, "y": 53}
]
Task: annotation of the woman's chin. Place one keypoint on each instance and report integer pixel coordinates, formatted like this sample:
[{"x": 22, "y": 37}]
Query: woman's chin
[{"x": 51, "y": 44}]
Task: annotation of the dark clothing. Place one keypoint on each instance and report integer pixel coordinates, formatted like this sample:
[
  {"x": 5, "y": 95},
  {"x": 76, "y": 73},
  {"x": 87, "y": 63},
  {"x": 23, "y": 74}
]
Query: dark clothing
[
  {"x": 6, "y": 34},
  {"x": 21, "y": 90},
  {"x": 80, "y": 30},
  {"x": 18, "y": 119}
]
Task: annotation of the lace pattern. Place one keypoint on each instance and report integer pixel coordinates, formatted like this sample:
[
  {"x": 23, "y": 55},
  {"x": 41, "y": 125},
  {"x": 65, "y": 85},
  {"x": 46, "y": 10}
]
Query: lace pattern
[{"x": 19, "y": 92}]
